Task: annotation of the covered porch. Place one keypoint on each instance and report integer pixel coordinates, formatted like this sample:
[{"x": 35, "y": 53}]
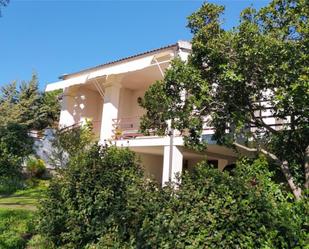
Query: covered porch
[{"x": 163, "y": 159}]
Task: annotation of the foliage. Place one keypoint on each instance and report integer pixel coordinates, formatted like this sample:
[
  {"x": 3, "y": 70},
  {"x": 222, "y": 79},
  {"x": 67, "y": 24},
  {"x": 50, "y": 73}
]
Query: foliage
[
  {"x": 16, "y": 227},
  {"x": 35, "y": 167},
  {"x": 39, "y": 242},
  {"x": 235, "y": 78},
  {"x": 99, "y": 192},
  {"x": 26, "y": 105},
  {"x": 26, "y": 198},
  {"x": 50, "y": 109},
  {"x": 22, "y": 109},
  {"x": 69, "y": 142},
  {"x": 211, "y": 209},
  {"x": 154, "y": 120},
  {"x": 17, "y": 218},
  {"x": 15, "y": 146},
  {"x": 102, "y": 200}
]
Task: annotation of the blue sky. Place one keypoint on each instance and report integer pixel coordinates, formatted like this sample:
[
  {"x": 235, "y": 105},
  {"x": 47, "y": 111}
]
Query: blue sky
[{"x": 57, "y": 37}]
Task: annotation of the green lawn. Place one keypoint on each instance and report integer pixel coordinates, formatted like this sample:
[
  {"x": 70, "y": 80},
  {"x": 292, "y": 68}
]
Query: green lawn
[
  {"x": 24, "y": 199},
  {"x": 17, "y": 213},
  {"x": 16, "y": 228}
]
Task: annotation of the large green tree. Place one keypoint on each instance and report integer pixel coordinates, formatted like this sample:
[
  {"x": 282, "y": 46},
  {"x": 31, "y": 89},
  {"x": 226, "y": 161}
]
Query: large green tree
[
  {"x": 235, "y": 79},
  {"x": 27, "y": 105},
  {"x": 22, "y": 109}
]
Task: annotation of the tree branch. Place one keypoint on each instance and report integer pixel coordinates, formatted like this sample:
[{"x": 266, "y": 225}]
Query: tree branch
[{"x": 284, "y": 166}]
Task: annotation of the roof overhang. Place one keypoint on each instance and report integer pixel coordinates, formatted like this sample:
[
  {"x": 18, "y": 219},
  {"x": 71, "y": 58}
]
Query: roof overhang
[{"x": 126, "y": 65}]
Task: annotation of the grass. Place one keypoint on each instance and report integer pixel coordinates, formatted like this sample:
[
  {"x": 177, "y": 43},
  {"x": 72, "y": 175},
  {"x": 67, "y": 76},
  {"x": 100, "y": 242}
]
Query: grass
[
  {"x": 17, "y": 213},
  {"x": 16, "y": 228},
  {"x": 26, "y": 199}
]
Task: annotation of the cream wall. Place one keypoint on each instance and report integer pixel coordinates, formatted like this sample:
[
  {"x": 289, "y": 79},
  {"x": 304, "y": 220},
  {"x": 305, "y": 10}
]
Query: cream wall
[
  {"x": 80, "y": 104},
  {"x": 128, "y": 106},
  {"x": 192, "y": 163},
  {"x": 125, "y": 103},
  {"x": 136, "y": 109},
  {"x": 152, "y": 165}
]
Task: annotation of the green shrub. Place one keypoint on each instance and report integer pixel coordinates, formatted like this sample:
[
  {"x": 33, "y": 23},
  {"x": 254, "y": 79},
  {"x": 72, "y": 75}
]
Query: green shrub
[
  {"x": 9, "y": 184},
  {"x": 102, "y": 200},
  {"x": 35, "y": 167},
  {"x": 211, "y": 209},
  {"x": 99, "y": 192}
]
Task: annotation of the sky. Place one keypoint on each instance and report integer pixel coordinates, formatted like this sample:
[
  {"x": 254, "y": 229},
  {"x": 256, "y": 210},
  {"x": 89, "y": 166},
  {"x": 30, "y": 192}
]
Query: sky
[{"x": 56, "y": 37}]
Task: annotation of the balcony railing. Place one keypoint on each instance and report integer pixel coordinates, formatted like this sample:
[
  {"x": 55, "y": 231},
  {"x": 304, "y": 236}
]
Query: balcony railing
[{"x": 126, "y": 128}]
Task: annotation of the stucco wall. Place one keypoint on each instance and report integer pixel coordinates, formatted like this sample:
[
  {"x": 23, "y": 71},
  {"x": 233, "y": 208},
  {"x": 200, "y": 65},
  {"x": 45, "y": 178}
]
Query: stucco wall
[
  {"x": 153, "y": 165},
  {"x": 128, "y": 106},
  {"x": 80, "y": 104}
]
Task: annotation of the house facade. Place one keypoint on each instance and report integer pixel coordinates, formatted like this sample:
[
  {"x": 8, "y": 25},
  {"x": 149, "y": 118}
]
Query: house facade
[{"x": 107, "y": 96}]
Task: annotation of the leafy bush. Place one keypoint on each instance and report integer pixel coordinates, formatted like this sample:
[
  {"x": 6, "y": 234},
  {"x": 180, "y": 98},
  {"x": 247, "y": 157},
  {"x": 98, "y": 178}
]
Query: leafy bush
[
  {"x": 211, "y": 209},
  {"x": 35, "y": 167},
  {"x": 69, "y": 142},
  {"x": 100, "y": 191},
  {"x": 102, "y": 200}
]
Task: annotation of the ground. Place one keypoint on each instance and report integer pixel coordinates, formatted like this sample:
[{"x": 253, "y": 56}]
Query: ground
[{"x": 17, "y": 213}]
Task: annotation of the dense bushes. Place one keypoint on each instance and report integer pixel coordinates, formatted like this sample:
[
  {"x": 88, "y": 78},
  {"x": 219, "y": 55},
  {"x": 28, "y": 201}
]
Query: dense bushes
[
  {"x": 102, "y": 200},
  {"x": 215, "y": 210},
  {"x": 99, "y": 192}
]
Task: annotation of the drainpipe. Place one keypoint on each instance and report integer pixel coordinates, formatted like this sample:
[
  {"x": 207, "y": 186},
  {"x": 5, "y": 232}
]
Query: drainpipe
[{"x": 171, "y": 135}]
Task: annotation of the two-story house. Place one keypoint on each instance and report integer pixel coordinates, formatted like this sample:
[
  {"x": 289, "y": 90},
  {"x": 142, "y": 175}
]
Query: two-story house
[{"x": 107, "y": 95}]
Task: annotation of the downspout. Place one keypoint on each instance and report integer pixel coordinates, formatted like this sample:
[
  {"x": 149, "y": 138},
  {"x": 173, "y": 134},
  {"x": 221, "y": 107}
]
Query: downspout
[{"x": 171, "y": 135}]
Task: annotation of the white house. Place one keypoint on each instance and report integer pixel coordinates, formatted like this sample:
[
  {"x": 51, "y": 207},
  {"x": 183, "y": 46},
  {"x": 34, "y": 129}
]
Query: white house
[{"x": 107, "y": 95}]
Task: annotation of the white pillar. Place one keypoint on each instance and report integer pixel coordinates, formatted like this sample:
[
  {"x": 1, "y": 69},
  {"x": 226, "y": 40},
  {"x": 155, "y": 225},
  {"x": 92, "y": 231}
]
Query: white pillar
[
  {"x": 66, "y": 114},
  {"x": 173, "y": 161},
  {"x": 109, "y": 111}
]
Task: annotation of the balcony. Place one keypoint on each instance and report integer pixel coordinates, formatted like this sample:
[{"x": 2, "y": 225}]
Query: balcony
[{"x": 126, "y": 128}]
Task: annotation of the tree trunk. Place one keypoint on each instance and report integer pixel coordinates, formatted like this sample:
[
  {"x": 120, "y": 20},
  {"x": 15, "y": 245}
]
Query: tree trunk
[
  {"x": 307, "y": 168},
  {"x": 284, "y": 166},
  {"x": 287, "y": 173}
]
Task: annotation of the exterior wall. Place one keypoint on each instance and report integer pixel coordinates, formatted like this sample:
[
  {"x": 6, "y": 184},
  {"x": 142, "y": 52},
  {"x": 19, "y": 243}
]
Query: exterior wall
[
  {"x": 128, "y": 106},
  {"x": 79, "y": 105},
  {"x": 136, "y": 109},
  {"x": 125, "y": 103},
  {"x": 192, "y": 163},
  {"x": 153, "y": 165}
]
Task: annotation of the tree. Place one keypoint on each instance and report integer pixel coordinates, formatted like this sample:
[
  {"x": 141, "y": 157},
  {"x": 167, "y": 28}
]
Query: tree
[
  {"x": 235, "y": 77},
  {"x": 15, "y": 146},
  {"x": 26, "y": 105},
  {"x": 69, "y": 142},
  {"x": 21, "y": 110}
]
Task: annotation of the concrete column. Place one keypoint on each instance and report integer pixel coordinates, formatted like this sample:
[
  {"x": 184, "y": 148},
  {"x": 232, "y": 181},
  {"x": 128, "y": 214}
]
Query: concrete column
[
  {"x": 109, "y": 111},
  {"x": 222, "y": 164},
  {"x": 67, "y": 105},
  {"x": 172, "y": 164}
]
